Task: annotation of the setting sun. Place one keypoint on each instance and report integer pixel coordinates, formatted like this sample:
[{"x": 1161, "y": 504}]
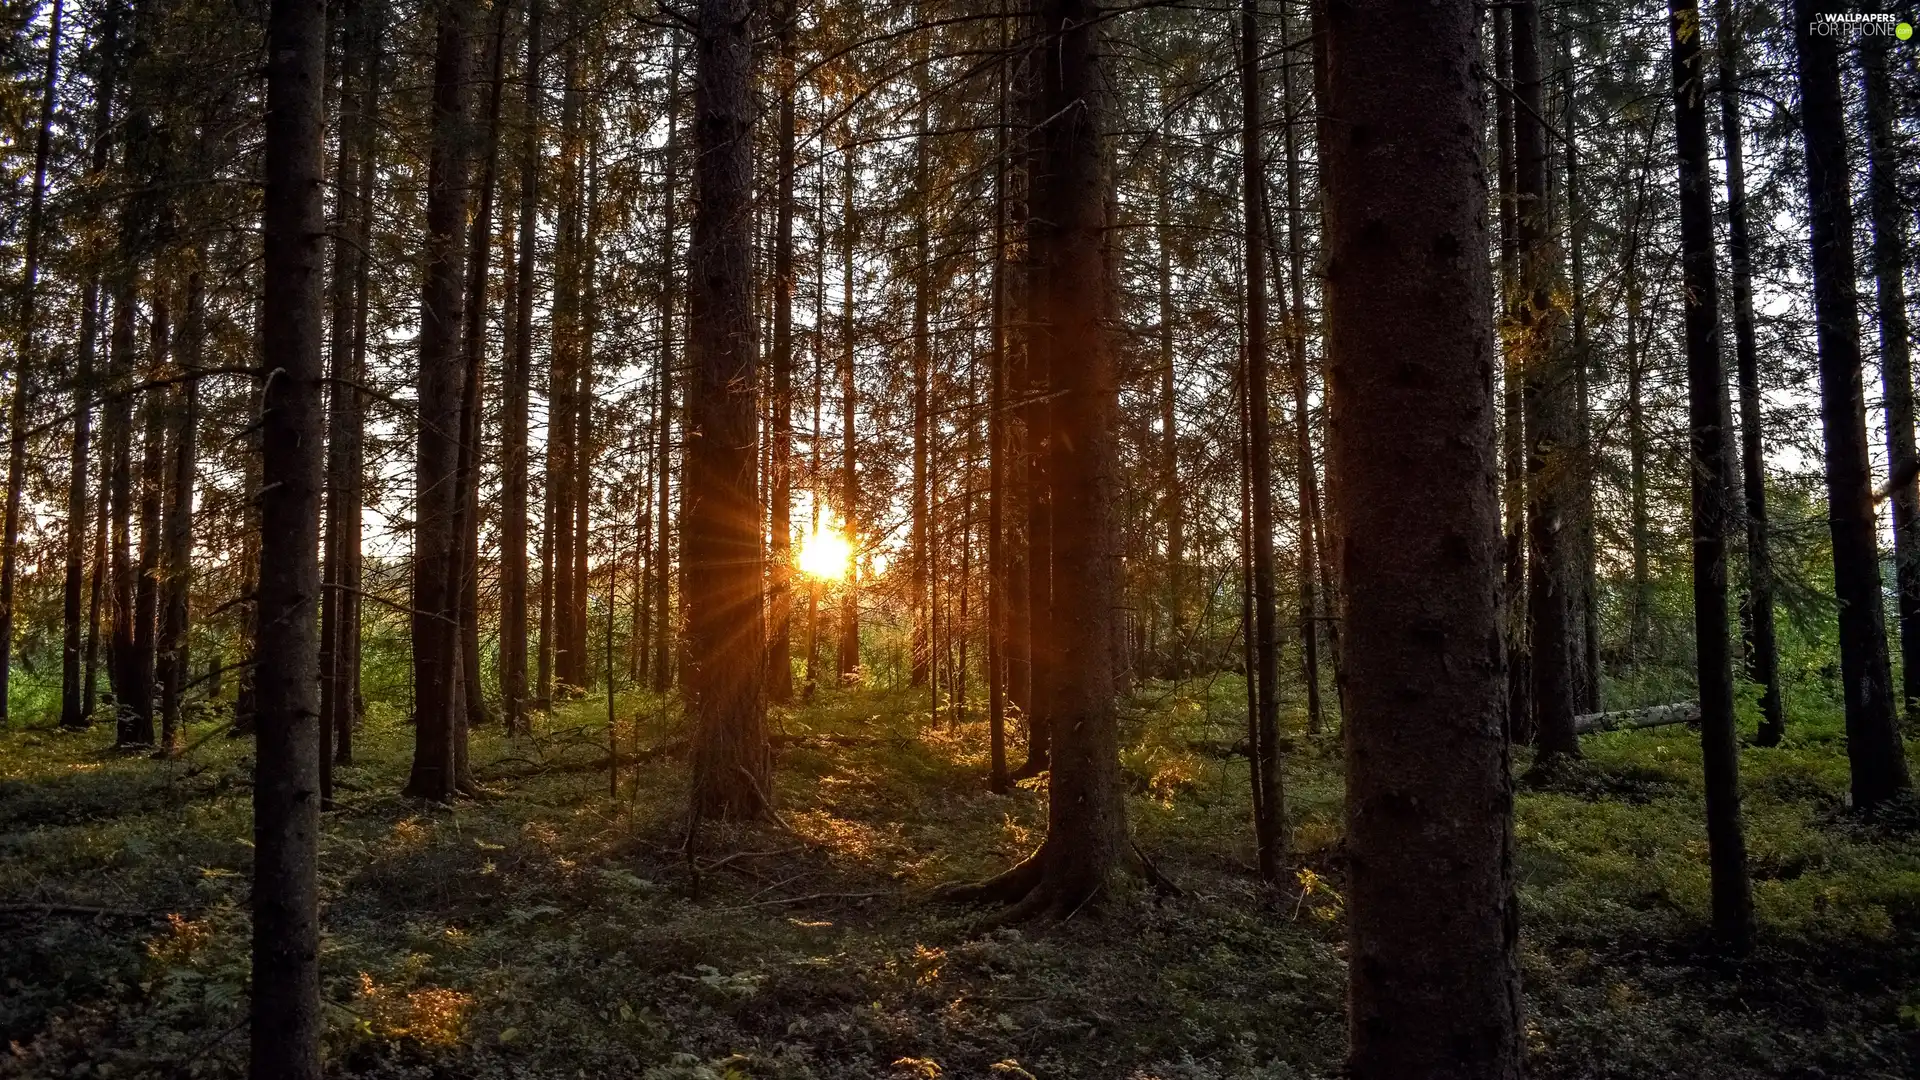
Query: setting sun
[{"x": 826, "y": 554}]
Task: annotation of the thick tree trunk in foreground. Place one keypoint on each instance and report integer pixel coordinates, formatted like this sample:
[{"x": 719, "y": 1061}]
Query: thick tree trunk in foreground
[
  {"x": 721, "y": 543},
  {"x": 1896, "y": 366},
  {"x": 1762, "y": 650},
  {"x": 1433, "y": 976},
  {"x": 1086, "y": 843},
  {"x": 439, "y": 715},
  {"x": 286, "y": 1019},
  {"x": 1874, "y": 750},
  {"x": 1710, "y": 470}
]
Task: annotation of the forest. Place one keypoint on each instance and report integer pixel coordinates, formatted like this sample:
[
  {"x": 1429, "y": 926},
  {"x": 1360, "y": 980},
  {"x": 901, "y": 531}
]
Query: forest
[{"x": 1048, "y": 539}]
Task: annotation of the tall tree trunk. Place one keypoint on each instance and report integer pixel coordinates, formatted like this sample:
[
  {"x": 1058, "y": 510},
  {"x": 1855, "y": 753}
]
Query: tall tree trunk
[
  {"x": 342, "y": 388},
  {"x": 153, "y": 482},
  {"x": 119, "y": 433},
  {"x": 354, "y": 433},
  {"x": 1513, "y": 427},
  {"x": 1172, "y": 505},
  {"x": 1639, "y": 518},
  {"x": 1874, "y": 751},
  {"x": 563, "y": 379},
  {"x": 286, "y": 1022},
  {"x": 474, "y": 347},
  {"x": 1433, "y": 980},
  {"x": 997, "y": 778},
  {"x": 583, "y": 396},
  {"x": 1043, "y": 649},
  {"x": 176, "y": 569},
  {"x": 1708, "y": 466},
  {"x": 514, "y": 416},
  {"x": 1552, "y": 572},
  {"x": 921, "y": 542},
  {"x": 1762, "y": 650},
  {"x": 76, "y": 671},
  {"x": 1086, "y": 843},
  {"x": 850, "y": 523},
  {"x": 439, "y": 716},
  {"x": 721, "y": 541},
  {"x": 25, "y": 357},
  {"x": 1271, "y": 832},
  {"x": 96, "y": 595},
  {"x": 669, "y": 214},
  {"x": 780, "y": 559},
  {"x": 1303, "y": 433},
  {"x": 1896, "y": 367},
  {"x": 1587, "y": 664}
]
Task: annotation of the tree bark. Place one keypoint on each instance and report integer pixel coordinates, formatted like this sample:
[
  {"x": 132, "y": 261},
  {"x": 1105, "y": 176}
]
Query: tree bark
[
  {"x": 780, "y": 588},
  {"x": 439, "y": 717},
  {"x": 1762, "y": 650},
  {"x": 1086, "y": 843},
  {"x": 669, "y": 214},
  {"x": 1552, "y": 571},
  {"x": 23, "y": 373},
  {"x": 514, "y": 416},
  {"x": 1874, "y": 750},
  {"x": 1709, "y": 468},
  {"x": 76, "y": 670},
  {"x": 721, "y": 536},
  {"x": 153, "y": 481},
  {"x": 1896, "y": 366},
  {"x": 286, "y": 1022},
  {"x": 176, "y": 569},
  {"x": 1433, "y": 922},
  {"x": 1513, "y": 427},
  {"x": 474, "y": 348},
  {"x": 119, "y": 433},
  {"x": 848, "y": 660}
]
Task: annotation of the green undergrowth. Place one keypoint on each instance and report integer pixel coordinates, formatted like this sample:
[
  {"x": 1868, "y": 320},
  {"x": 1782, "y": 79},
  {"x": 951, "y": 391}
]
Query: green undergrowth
[{"x": 546, "y": 929}]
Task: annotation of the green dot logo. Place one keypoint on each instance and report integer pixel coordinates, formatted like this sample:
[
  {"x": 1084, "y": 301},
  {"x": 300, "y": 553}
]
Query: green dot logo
[{"x": 1903, "y": 31}]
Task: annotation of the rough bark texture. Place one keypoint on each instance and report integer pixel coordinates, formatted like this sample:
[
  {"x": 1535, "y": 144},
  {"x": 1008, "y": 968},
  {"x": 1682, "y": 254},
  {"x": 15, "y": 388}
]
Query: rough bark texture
[
  {"x": 1874, "y": 750},
  {"x": 1553, "y": 582},
  {"x": 1762, "y": 649},
  {"x": 1896, "y": 366},
  {"x": 1086, "y": 843},
  {"x": 721, "y": 537},
  {"x": 1710, "y": 469},
  {"x": 439, "y": 715},
  {"x": 1433, "y": 923},
  {"x": 286, "y": 1022}
]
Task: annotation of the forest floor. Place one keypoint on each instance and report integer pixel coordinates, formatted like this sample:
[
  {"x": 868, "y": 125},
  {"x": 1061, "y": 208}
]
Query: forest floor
[{"x": 548, "y": 930}]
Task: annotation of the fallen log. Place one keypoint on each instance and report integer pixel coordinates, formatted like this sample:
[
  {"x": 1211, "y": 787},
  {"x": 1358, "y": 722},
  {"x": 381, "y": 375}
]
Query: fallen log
[{"x": 1680, "y": 712}]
